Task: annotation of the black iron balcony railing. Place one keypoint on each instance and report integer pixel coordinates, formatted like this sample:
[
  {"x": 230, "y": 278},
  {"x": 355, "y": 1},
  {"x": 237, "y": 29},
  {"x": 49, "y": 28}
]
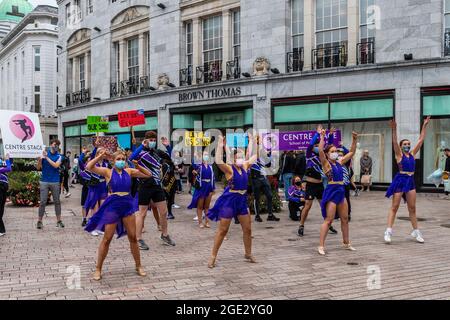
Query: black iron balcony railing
[
  {"x": 209, "y": 72},
  {"x": 234, "y": 69},
  {"x": 365, "y": 53},
  {"x": 79, "y": 97},
  {"x": 133, "y": 85},
  {"x": 294, "y": 60},
  {"x": 186, "y": 76},
  {"x": 447, "y": 43},
  {"x": 329, "y": 57}
]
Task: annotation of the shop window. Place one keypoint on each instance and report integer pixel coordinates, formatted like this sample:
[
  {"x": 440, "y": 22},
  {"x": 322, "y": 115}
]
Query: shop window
[
  {"x": 72, "y": 145},
  {"x": 367, "y": 109},
  {"x": 72, "y": 131},
  {"x": 185, "y": 121},
  {"x": 248, "y": 116},
  {"x": 223, "y": 120}
]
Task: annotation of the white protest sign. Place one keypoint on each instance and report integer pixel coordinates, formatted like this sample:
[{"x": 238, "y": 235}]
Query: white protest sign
[{"x": 21, "y": 134}]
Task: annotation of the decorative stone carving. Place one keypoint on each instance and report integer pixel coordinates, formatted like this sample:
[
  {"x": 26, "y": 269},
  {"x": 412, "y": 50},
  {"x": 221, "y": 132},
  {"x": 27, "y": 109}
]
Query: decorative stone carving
[
  {"x": 261, "y": 66},
  {"x": 163, "y": 81},
  {"x": 79, "y": 36},
  {"x": 130, "y": 14}
]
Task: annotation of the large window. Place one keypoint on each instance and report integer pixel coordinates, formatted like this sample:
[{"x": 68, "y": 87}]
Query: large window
[
  {"x": 212, "y": 39},
  {"x": 189, "y": 45},
  {"x": 82, "y": 72},
  {"x": 37, "y": 58},
  {"x": 297, "y": 25},
  {"x": 366, "y": 24},
  {"x": 331, "y": 34},
  {"x": 37, "y": 99},
  {"x": 133, "y": 60},
  {"x": 68, "y": 14},
  {"x": 447, "y": 27},
  {"x": 236, "y": 34}
]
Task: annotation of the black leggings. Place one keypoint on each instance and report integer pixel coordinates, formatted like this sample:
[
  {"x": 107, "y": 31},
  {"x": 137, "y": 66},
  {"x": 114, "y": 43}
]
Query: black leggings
[
  {"x": 170, "y": 197},
  {"x": 3, "y": 195}
]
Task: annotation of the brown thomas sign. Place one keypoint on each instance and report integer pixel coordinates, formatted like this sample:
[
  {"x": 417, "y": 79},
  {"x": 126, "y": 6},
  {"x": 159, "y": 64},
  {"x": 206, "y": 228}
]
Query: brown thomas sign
[{"x": 209, "y": 94}]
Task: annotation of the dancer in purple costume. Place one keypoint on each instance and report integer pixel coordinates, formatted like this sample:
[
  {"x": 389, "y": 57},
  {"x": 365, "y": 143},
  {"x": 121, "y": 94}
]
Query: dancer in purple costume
[{"x": 403, "y": 184}]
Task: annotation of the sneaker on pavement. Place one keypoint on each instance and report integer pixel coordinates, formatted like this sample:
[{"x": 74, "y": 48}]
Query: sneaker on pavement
[
  {"x": 258, "y": 218},
  {"x": 167, "y": 240},
  {"x": 333, "y": 230},
  {"x": 300, "y": 231},
  {"x": 39, "y": 225},
  {"x": 60, "y": 224},
  {"x": 388, "y": 236},
  {"x": 95, "y": 233},
  {"x": 175, "y": 206},
  {"x": 143, "y": 245},
  {"x": 418, "y": 235},
  {"x": 67, "y": 195},
  {"x": 273, "y": 217},
  {"x": 195, "y": 218},
  {"x": 2, "y": 234},
  {"x": 170, "y": 216}
]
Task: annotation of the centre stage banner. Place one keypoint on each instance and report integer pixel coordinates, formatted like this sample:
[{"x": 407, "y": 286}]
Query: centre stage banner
[
  {"x": 293, "y": 140},
  {"x": 21, "y": 134}
]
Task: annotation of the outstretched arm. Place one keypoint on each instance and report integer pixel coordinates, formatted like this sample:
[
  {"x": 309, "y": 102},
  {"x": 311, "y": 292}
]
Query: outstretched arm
[
  {"x": 347, "y": 157},
  {"x": 250, "y": 156},
  {"x": 139, "y": 172},
  {"x": 397, "y": 150},
  {"x": 91, "y": 166},
  {"x": 225, "y": 168},
  {"x": 323, "y": 158},
  {"x": 423, "y": 134}
]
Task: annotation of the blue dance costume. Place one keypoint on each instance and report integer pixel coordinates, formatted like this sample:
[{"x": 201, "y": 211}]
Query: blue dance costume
[
  {"x": 335, "y": 189},
  {"x": 233, "y": 202},
  {"x": 404, "y": 180},
  {"x": 205, "y": 178},
  {"x": 116, "y": 206}
]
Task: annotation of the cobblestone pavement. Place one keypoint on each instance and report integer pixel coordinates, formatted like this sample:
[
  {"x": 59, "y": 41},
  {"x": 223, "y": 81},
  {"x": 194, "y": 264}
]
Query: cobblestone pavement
[{"x": 44, "y": 264}]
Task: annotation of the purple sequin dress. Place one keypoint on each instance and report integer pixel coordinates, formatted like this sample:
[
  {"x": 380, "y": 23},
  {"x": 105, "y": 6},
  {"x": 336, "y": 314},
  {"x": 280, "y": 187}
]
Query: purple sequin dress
[
  {"x": 205, "y": 177},
  {"x": 115, "y": 206},
  {"x": 335, "y": 189},
  {"x": 233, "y": 201},
  {"x": 403, "y": 182}
]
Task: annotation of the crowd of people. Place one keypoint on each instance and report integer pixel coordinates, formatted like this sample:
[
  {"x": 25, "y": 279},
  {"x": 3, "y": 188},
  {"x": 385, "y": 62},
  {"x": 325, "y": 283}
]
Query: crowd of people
[{"x": 119, "y": 188}]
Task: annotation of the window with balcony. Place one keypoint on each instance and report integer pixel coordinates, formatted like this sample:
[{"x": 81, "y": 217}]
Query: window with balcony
[
  {"x": 295, "y": 57},
  {"x": 366, "y": 46},
  {"x": 133, "y": 60},
  {"x": 447, "y": 28},
  {"x": 211, "y": 70},
  {"x": 82, "y": 72},
  {"x": 331, "y": 34},
  {"x": 186, "y": 73},
  {"x": 234, "y": 66}
]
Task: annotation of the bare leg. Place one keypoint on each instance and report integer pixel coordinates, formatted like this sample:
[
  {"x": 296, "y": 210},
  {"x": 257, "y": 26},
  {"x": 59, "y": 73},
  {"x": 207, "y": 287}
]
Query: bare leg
[
  {"x": 308, "y": 205},
  {"x": 130, "y": 225},
  {"x": 103, "y": 249},
  {"x": 206, "y": 208},
  {"x": 396, "y": 198},
  {"x": 140, "y": 217},
  {"x": 411, "y": 201},
  {"x": 162, "y": 209},
  {"x": 222, "y": 231},
  {"x": 200, "y": 204},
  {"x": 331, "y": 212},
  {"x": 245, "y": 222},
  {"x": 156, "y": 215},
  {"x": 342, "y": 209}
]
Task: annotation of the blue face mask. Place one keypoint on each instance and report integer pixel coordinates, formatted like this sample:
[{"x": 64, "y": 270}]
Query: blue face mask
[
  {"x": 406, "y": 148},
  {"x": 316, "y": 150},
  {"x": 206, "y": 158},
  {"x": 120, "y": 164},
  {"x": 152, "y": 144}
]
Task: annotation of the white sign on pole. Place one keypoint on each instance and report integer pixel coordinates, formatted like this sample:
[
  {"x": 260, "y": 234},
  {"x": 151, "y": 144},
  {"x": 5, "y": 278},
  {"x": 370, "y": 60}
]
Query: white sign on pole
[{"x": 21, "y": 134}]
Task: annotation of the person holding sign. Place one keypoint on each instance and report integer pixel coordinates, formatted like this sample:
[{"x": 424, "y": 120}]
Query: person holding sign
[
  {"x": 233, "y": 201},
  {"x": 204, "y": 189},
  {"x": 150, "y": 190},
  {"x": 49, "y": 164},
  {"x": 403, "y": 184},
  {"x": 5, "y": 167},
  {"x": 116, "y": 214}
]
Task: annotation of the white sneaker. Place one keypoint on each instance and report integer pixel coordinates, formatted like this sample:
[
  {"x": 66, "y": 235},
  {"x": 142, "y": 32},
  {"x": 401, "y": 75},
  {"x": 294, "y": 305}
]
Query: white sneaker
[
  {"x": 387, "y": 236},
  {"x": 2, "y": 234},
  {"x": 175, "y": 206},
  {"x": 418, "y": 235},
  {"x": 68, "y": 194},
  {"x": 95, "y": 233},
  {"x": 195, "y": 218},
  {"x": 100, "y": 232}
]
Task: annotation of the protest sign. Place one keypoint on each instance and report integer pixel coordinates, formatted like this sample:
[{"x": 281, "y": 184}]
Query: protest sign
[
  {"x": 196, "y": 139},
  {"x": 21, "y": 134},
  {"x": 97, "y": 124},
  {"x": 131, "y": 118},
  {"x": 293, "y": 140}
]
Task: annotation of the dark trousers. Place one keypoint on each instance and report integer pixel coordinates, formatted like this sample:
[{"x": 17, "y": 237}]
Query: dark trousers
[
  {"x": 170, "y": 197},
  {"x": 347, "y": 196},
  {"x": 294, "y": 207},
  {"x": 3, "y": 195},
  {"x": 259, "y": 184}
]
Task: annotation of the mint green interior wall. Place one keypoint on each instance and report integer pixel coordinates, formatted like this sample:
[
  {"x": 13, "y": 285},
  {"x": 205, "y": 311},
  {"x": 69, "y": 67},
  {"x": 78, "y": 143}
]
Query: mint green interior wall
[
  {"x": 301, "y": 113},
  {"x": 436, "y": 105},
  {"x": 363, "y": 109}
]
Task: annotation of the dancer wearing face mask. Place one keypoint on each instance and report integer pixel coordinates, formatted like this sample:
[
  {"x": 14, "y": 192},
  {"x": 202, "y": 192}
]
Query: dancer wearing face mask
[
  {"x": 233, "y": 201},
  {"x": 333, "y": 203},
  {"x": 296, "y": 198},
  {"x": 314, "y": 177},
  {"x": 150, "y": 190},
  {"x": 348, "y": 175},
  {"x": 116, "y": 214},
  {"x": 403, "y": 184},
  {"x": 204, "y": 189}
]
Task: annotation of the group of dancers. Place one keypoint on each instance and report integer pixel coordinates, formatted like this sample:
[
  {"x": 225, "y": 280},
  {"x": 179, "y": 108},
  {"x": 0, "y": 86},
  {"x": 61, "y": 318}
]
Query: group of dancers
[{"x": 121, "y": 187}]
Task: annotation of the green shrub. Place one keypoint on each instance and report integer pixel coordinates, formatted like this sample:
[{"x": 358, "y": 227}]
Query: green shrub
[{"x": 24, "y": 187}]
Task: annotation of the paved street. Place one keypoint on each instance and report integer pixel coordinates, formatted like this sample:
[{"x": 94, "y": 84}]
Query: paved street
[{"x": 37, "y": 264}]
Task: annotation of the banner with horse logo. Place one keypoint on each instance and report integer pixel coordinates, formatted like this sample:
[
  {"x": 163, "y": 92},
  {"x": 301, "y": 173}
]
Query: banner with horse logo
[{"x": 21, "y": 134}]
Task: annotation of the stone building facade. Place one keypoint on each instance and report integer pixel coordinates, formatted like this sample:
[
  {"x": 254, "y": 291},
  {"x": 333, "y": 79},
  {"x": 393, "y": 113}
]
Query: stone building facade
[{"x": 285, "y": 64}]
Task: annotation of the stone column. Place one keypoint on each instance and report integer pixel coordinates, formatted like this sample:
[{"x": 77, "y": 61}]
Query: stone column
[
  {"x": 353, "y": 30},
  {"x": 226, "y": 41},
  {"x": 196, "y": 46},
  {"x": 122, "y": 61},
  {"x": 141, "y": 55},
  {"x": 309, "y": 36}
]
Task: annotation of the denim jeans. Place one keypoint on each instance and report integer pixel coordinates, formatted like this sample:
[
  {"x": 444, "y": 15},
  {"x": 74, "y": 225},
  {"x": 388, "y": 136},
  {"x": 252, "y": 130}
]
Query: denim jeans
[
  {"x": 287, "y": 181},
  {"x": 55, "y": 188}
]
